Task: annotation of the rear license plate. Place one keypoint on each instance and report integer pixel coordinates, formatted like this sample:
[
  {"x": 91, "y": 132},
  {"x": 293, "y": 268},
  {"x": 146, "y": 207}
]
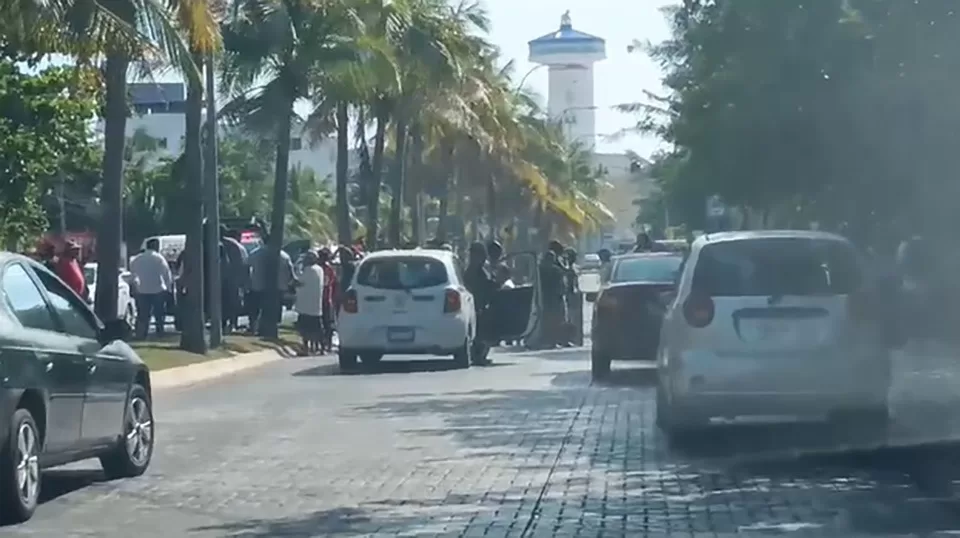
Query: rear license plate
[
  {"x": 773, "y": 332},
  {"x": 400, "y": 334}
]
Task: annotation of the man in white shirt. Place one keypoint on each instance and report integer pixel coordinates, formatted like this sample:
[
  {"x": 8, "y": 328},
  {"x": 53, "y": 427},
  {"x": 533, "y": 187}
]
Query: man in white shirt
[
  {"x": 309, "y": 303},
  {"x": 155, "y": 282}
]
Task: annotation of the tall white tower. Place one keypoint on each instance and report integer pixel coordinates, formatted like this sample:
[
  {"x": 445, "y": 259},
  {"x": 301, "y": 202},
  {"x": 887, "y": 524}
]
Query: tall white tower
[{"x": 569, "y": 56}]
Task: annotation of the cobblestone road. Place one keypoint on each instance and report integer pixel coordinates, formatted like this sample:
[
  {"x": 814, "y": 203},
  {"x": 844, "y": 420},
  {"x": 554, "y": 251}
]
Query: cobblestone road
[{"x": 525, "y": 448}]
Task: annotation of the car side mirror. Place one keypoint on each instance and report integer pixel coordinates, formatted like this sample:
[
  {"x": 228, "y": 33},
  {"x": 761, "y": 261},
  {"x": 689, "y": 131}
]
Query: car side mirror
[
  {"x": 113, "y": 330},
  {"x": 590, "y": 296}
]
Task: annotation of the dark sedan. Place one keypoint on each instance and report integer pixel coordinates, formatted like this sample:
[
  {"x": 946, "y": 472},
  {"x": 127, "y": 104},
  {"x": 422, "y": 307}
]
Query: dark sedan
[
  {"x": 629, "y": 309},
  {"x": 70, "y": 388}
]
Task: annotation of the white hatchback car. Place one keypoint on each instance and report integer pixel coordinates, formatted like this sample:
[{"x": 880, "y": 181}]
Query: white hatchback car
[
  {"x": 771, "y": 324},
  {"x": 415, "y": 302}
]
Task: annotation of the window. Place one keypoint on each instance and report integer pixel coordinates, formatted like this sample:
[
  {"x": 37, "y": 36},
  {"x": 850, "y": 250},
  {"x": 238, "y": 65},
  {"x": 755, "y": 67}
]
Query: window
[
  {"x": 777, "y": 266},
  {"x": 25, "y": 300},
  {"x": 76, "y": 318},
  {"x": 406, "y": 273},
  {"x": 647, "y": 269},
  {"x": 296, "y": 144},
  {"x": 90, "y": 275}
]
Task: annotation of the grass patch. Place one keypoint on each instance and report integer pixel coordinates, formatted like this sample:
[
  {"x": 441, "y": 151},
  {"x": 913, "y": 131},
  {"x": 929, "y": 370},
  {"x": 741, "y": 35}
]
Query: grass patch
[{"x": 163, "y": 353}]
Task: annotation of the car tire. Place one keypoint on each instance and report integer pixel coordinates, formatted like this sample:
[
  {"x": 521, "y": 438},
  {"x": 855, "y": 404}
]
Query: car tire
[
  {"x": 370, "y": 359},
  {"x": 599, "y": 365},
  {"x": 133, "y": 452},
  {"x": 347, "y": 360},
  {"x": 18, "y": 504},
  {"x": 462, "y": 357},
  {"x": 677, "y": 426}
]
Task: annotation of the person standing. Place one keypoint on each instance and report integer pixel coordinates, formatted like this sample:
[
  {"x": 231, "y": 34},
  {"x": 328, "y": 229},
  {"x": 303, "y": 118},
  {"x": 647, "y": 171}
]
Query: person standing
[
  {"x": 68, "y": 269},
  {"x": 552, "y": 282},
  {"x": 309, "y": 304},
  {"x": 480, "y": 283},
  {"x": 330, "y": 290},
  {"x": 155, "y": 282},
  {"x": 574, "y": 300},
  {"x": 259, "y": 288},
  {"x": 645, "y": 244},
  {"x": 606, "y": 265},
  {"x": 235, "y": 275}
]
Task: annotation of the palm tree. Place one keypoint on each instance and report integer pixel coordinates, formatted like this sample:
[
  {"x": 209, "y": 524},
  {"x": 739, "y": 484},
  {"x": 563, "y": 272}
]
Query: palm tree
[{"x": 275, "y": 49}]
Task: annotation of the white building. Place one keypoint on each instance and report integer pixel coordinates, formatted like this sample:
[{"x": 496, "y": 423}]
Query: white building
[
  {"x": 569, "y": 56},
  {"x": 159, "y": 110}
]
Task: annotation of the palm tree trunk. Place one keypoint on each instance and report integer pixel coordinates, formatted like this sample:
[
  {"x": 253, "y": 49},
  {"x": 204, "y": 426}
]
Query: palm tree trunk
[
  {"x": 382, "y": 113},
  {"x": 343, "y": 205},
  {"x": 444, "y": 210},
  {"x": 396, "y": 183},
  {"x": 416, "y": 168},
  {"x": 271, "y": 315},
  {"x": 111, "y": 223},
  {"x": 195, "y": 308}
]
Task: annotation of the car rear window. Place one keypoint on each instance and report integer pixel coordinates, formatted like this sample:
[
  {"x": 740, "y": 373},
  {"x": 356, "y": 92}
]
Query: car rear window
[
  {"x": 777, "y": 266},
  {"x": 402, "y": 273},
  {"x": 647, "y": 269}
]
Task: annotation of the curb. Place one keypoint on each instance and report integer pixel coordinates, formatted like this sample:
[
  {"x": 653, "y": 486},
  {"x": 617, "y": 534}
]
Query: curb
[{"x": 191, "y": 374}]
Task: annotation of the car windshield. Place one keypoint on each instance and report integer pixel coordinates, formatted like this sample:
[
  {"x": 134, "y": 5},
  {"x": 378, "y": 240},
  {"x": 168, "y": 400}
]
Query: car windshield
[
  {"x": 90, "y": 275},
  {"x": 406, "y": 273},
  {"x": 646, "y": 269},
  {"x": 777, "y": 266}
]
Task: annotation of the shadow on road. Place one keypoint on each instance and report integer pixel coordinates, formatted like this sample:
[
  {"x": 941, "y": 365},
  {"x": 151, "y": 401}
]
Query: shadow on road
[
  {"x": 57, "y": 483},
  {"x": 392, "y": 367},
  {"x": 323, "y": 523},
  {"x": 729, "y": 480}
]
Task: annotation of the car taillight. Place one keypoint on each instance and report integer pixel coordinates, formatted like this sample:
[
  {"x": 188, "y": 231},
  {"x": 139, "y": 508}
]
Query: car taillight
[
  {"x": 698, "y": 311},
  {"x": 451, "y": 301},
  {"x": 350, "y": 305}
]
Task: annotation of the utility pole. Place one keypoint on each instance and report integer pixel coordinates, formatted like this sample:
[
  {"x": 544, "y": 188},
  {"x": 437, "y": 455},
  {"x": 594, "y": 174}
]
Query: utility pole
[{"x": 212, "y": 206}]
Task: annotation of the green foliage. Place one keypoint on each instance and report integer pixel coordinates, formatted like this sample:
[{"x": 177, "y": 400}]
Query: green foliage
[
  {"x": 835, "y": 111},
  {"x": 45, "y": 128}
]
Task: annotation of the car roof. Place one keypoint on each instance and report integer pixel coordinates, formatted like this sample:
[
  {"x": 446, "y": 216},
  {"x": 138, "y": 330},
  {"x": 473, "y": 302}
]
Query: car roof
[
  {"x": 641, "y": 255},
  {"x": 437, "y": 254},
  {"x": 746, "y": 235}
]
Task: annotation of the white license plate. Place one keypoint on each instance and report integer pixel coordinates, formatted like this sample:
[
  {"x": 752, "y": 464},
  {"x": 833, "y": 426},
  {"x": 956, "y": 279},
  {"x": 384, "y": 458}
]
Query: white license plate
[
  {"x": 773, "y": 331},
  {"x": 400, "y": 334}
]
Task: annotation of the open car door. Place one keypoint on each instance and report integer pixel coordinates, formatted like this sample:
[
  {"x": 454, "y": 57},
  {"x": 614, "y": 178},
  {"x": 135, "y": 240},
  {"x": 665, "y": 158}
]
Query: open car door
[{"x": 515, "y": 309}]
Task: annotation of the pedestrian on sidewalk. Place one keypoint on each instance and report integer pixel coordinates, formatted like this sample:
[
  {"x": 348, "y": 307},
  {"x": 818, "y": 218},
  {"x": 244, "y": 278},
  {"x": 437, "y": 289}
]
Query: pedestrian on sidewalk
[
  {"x": 155, "y": 282},
  {"x": 330, "y": 288},
  {"x": 309, "y": 304}
]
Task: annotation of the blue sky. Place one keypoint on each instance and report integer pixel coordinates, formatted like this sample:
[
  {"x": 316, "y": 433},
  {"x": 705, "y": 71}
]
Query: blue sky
[{"x": 621, "y": 78}]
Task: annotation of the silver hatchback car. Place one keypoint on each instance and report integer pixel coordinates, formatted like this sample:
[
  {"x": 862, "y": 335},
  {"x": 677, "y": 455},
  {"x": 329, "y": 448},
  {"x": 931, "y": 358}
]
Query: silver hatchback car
[{"x": 771, "y": 324}]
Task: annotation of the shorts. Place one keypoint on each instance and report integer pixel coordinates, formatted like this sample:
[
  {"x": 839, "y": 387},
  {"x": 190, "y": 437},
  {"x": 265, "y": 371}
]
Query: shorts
[{"x": 309, "y": 327}]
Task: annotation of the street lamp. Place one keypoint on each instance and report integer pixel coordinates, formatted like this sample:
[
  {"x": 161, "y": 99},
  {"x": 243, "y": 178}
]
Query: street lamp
[{"x": 524, "y": 79}]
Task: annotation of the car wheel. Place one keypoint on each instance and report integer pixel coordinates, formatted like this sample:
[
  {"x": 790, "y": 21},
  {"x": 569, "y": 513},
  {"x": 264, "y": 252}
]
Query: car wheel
[
  {"x": 462, "y": 357},
  {"x": 599, "y": 365},
  {"x": 347, "y": 360},
  {"x": 131, "y": 456},
  {"x": 20, "y": 469},
  {"x": 370, "y": 359}
]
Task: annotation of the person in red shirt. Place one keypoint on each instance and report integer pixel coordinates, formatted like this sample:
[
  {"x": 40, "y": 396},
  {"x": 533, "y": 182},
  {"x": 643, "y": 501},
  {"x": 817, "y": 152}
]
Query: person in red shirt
[
  {"x": 329, "y": 294},
  {"x": 69, "y": 270}
]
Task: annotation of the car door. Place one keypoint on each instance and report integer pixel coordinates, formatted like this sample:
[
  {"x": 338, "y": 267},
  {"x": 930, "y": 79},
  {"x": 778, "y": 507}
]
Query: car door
[
  {"x": 517, "y": 310},
  {"x": 60, "y": 368},
  {"x": 107, "y": 376}
]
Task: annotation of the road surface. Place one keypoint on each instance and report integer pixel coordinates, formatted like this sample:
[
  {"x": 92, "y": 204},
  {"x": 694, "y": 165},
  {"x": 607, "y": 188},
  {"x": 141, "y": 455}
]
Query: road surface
[{"x": 528, "y": 447}]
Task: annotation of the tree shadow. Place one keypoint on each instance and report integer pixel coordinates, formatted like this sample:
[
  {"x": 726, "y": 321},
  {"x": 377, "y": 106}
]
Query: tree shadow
[
  {"x": 608, "y": 466},
  {"x": 338, "y": 521}
]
